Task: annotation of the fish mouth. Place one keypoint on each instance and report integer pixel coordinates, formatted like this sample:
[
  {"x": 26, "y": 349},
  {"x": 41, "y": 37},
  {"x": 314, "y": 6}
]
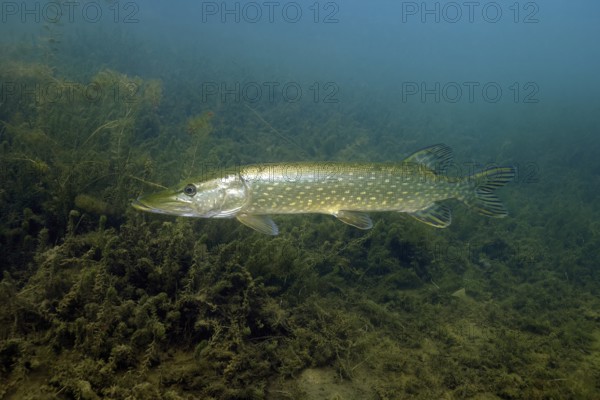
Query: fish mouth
[
  {"x": 139, "y": 204},
  {"x": 163, "y": 204}
]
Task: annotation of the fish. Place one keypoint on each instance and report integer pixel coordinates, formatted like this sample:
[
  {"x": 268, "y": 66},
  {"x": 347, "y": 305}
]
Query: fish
[{"x": 417, "y": 186}]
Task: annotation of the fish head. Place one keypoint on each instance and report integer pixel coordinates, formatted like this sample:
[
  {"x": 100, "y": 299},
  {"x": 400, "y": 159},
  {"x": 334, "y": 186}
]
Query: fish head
[{"x": 215, "y": 198}]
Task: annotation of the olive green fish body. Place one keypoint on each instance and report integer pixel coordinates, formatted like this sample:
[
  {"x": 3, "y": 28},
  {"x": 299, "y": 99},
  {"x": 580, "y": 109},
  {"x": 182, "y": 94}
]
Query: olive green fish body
[
  {"x": 346, "y": 190},
  {"x": 330, "y": 187}
]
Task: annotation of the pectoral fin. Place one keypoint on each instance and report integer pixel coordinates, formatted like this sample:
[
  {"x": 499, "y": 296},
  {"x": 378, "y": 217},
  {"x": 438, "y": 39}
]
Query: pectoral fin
[
  {"x": 435, "y": 215},
  {"x": 262, "y": 223},
  {"x": 355, "y": 218}
]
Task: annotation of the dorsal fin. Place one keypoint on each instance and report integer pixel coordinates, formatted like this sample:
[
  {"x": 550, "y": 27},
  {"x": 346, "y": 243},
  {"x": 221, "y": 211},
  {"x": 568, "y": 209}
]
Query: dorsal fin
[{"x": 437, "y": 158}]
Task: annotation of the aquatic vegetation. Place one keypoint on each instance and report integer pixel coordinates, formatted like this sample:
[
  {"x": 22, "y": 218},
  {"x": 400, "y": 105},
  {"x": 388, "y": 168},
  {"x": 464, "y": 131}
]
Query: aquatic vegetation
[
  {"x": 100, "y": 301},
  {"x": 62, "y": 138},
  {"x": 199, "y": 127}
]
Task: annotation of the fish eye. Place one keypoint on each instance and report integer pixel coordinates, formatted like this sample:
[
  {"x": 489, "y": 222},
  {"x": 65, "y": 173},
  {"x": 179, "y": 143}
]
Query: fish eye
[{"x": 189, "y": 189}]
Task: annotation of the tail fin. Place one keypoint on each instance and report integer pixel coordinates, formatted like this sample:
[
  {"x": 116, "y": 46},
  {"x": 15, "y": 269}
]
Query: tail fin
[{"x": 479, "y": 192}]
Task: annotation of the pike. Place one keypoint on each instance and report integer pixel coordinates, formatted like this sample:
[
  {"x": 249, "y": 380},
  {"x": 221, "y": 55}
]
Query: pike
[{"x": 345, "y": 190}]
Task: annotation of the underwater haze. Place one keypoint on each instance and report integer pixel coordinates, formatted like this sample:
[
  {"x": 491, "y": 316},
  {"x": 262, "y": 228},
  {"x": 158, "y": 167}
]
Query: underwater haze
[{"x": 104, "y": 102}]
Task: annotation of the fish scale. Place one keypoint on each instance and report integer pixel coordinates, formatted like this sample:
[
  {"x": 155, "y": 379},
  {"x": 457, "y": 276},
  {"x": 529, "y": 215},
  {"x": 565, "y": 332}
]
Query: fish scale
[{"x": 294, "y": 188}]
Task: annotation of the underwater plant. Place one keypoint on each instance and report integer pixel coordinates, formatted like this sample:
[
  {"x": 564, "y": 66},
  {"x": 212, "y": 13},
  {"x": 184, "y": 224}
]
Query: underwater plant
[{"x": 100, "y": 301}]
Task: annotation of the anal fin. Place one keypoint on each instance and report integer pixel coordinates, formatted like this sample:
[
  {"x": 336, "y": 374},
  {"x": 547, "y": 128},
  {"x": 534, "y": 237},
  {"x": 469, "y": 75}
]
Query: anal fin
[
  {"x": 261, "y": 223},
  {"x": 435, "y": 215},
  {"x": 357, "y": 219}
]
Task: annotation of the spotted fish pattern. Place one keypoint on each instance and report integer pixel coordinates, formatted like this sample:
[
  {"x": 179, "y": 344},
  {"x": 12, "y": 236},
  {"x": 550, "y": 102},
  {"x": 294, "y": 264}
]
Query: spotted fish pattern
[{"x": 348, "y": 191}]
